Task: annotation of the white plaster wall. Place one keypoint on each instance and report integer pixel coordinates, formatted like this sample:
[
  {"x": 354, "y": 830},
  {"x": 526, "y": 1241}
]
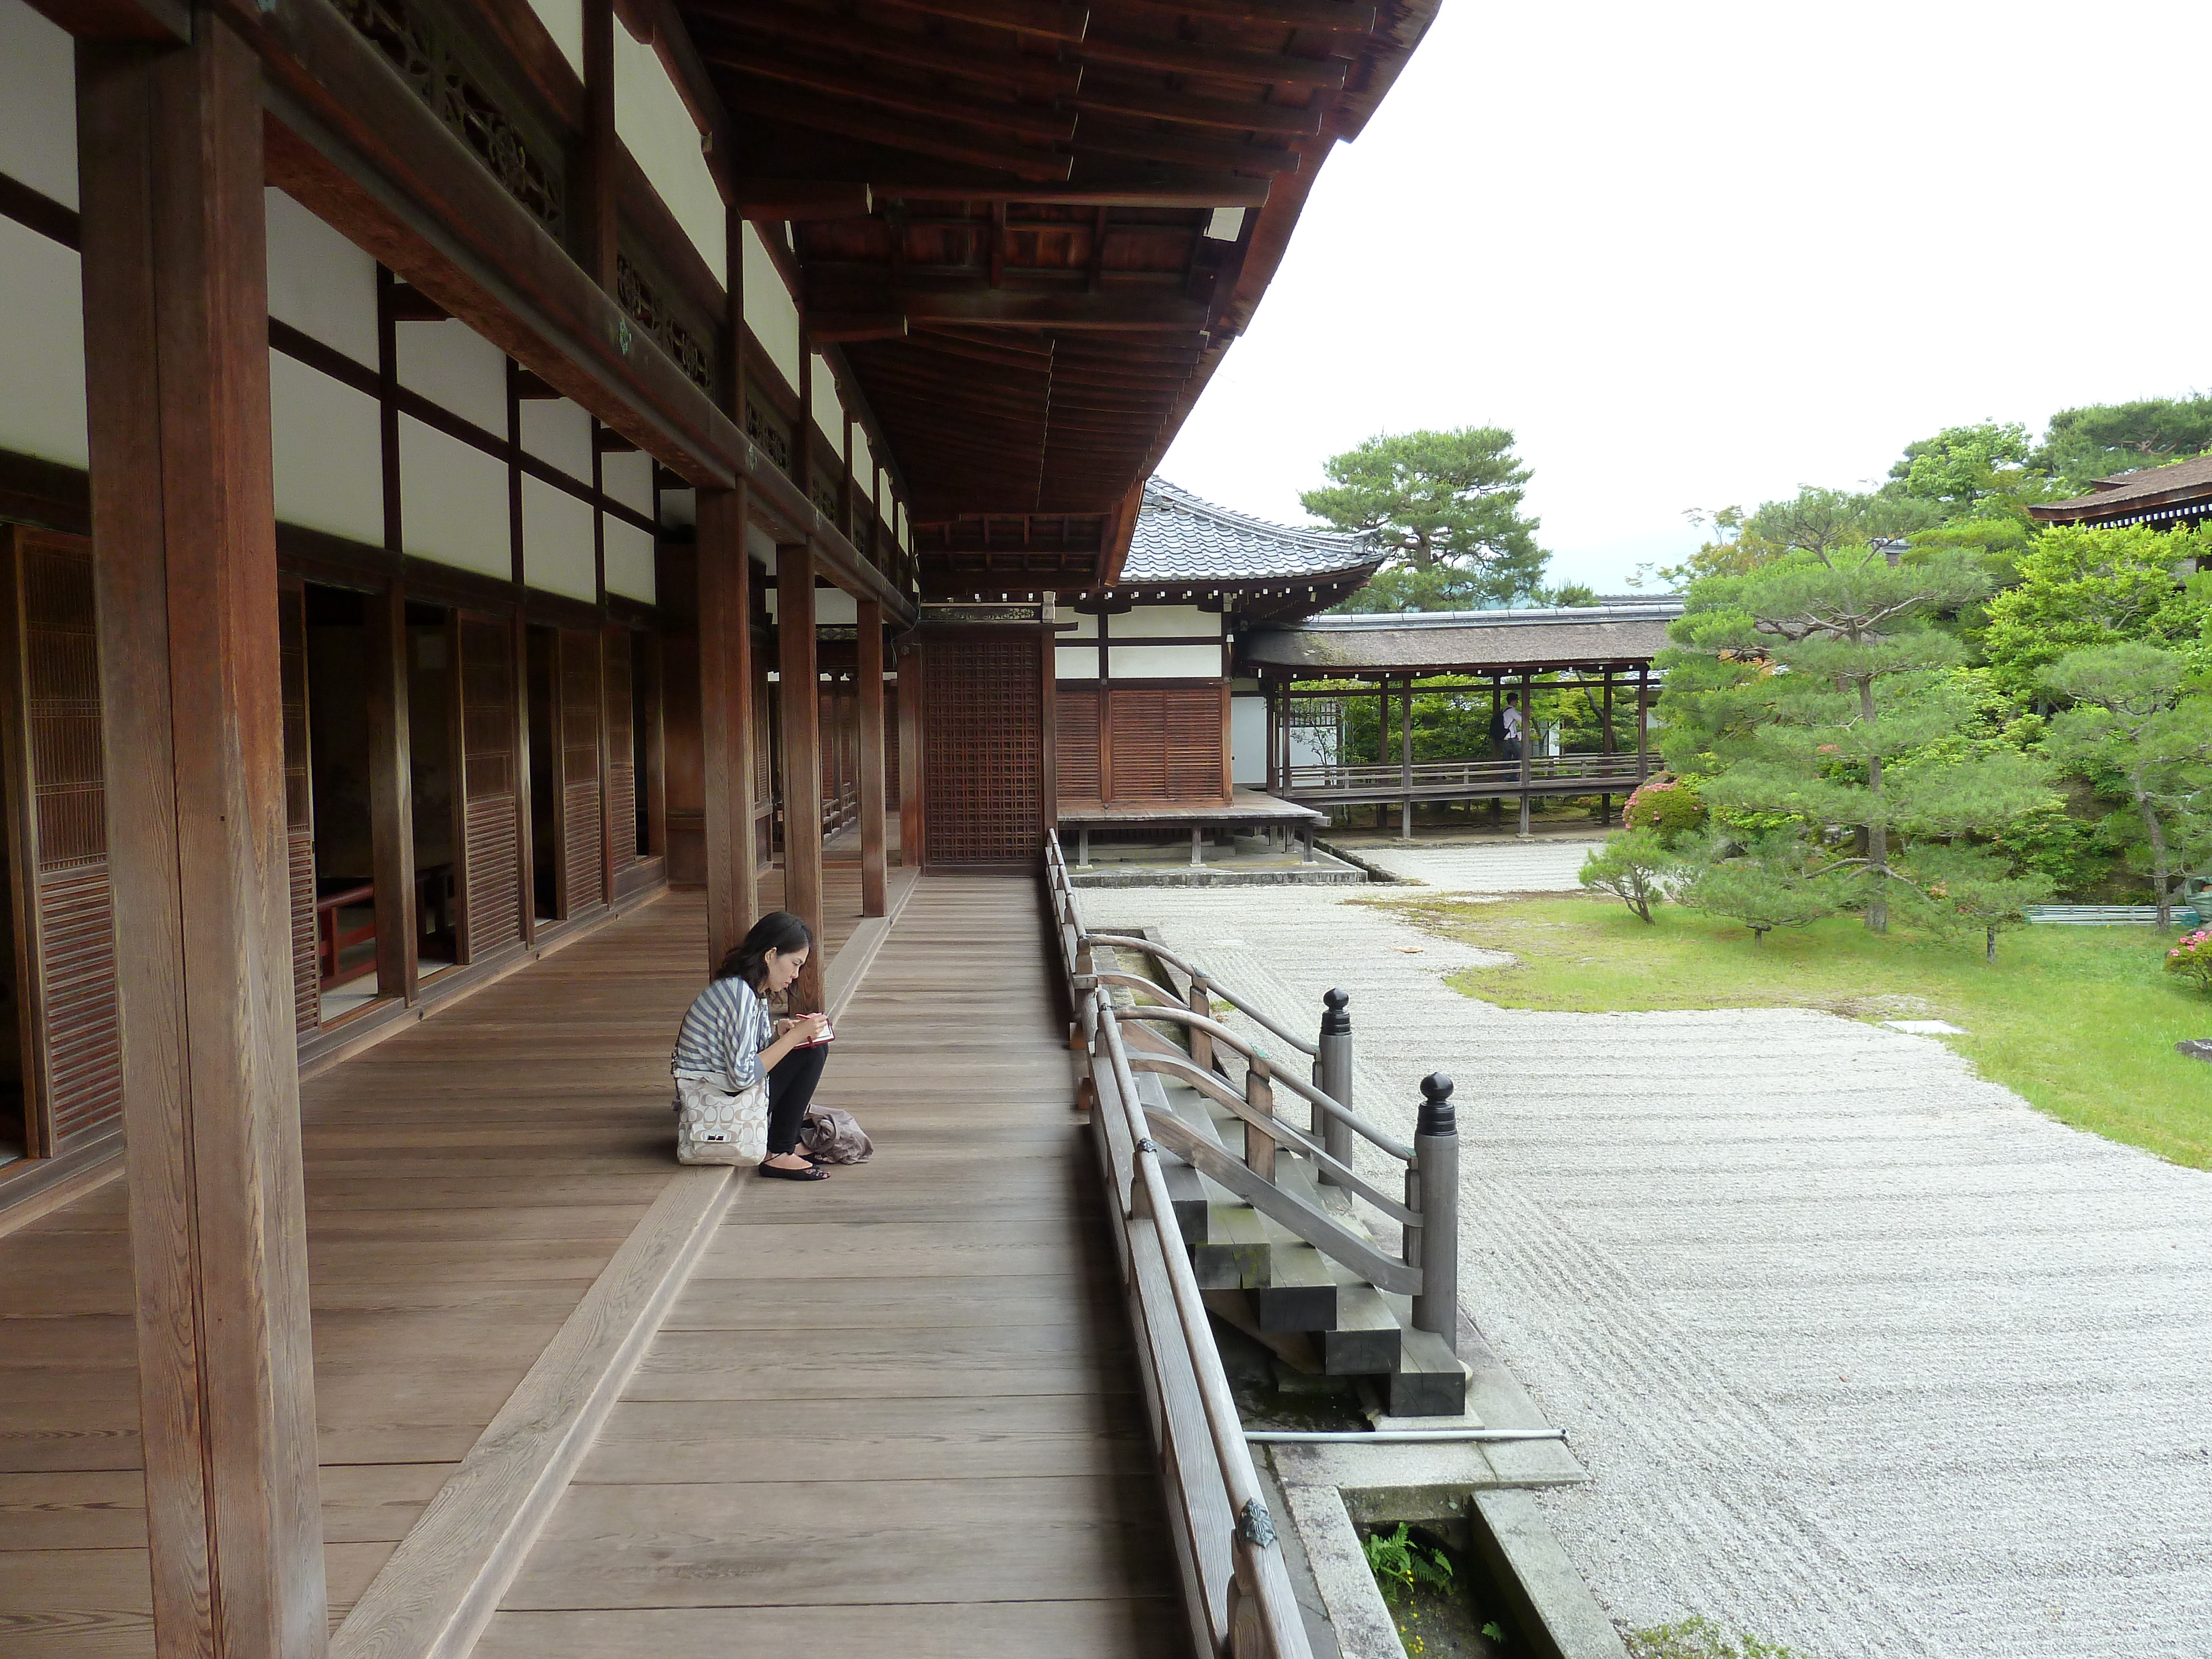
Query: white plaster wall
[
  {"x": 556, "y": 430},
  {"x": 828, "y": 413},
  {"x": 1086, "y": 627},
  {"x": 679, "y": 507},
  {"x": 628, "y": 479},
  {"x": 41, "y": 347},
  {"x": 38, "y": 103},
  {"x": 770, "y": 312},
  {"x": 457, "y": 369},
  {"x": 557, "y": 554},
  {"x": 321, "y": 283},
  {"x": 564, "y": 22},
  {"x": 864, "y": 461},
  {"x": 629, "y": 561},
  {"x": 833, "y": 607},
  {"x": 1164, "y": 662},
  {"x": 1076, "y": 662},
  {"x": 899, "y": 524},
  {"x": 453, "y": 500},
  {"x": 1169, "y": 621},
  {"x": 1247, "y": 741},
  {"x": 761, "y": 546},
  {"x": 653, "y": 119},
  {"x": 328, "y": 450}
]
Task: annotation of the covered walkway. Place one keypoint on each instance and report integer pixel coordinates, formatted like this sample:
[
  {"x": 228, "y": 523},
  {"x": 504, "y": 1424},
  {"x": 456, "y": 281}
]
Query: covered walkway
[{"x": 909, "y": 1385}]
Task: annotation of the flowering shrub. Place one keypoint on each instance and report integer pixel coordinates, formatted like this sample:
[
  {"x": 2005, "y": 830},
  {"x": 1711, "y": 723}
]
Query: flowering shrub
[
  {"x": 1665, "y": 805},
  {"x": 2191, "y": 959}
]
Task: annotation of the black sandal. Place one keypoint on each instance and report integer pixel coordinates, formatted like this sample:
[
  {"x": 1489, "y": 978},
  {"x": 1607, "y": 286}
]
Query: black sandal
[{"x": 810, "y": 1173}]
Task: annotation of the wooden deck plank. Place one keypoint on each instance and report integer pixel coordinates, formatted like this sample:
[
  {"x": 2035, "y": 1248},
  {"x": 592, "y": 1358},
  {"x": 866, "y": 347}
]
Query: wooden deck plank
[{"x": 894, "y": 1411}]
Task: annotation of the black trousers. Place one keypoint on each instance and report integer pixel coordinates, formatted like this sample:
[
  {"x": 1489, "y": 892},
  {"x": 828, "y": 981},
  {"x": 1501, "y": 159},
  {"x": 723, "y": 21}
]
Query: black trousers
[{"x": 790, "y": 1083}]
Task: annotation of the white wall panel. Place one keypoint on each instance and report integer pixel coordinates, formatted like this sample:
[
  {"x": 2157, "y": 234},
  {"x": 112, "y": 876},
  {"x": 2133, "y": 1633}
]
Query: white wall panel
[
  {"x": 557, "y": 554},
  {"x": 864, "y": 461},
  {"x": 453, "y": 500},
  {"x": 1162, "y": 662},
  {"x": 629, "y": 561},
  {"x": 1086, "y": 627},
  {"x": 679, "y": 507},
  {"x": 321, "y": 283},
  {"x": 828, "y": 413},
  {"x": 1076, "y": 662},
  {"x": 653, "y": 119},
  {"x": 833, "y": 607},
  {"x": 770, "y": 312},
  {"x": 38, "y": 103},
  {"x": 556, "y": 430},
  {"x": 628, "y": 479},
  {"x": 329, "y": 452},
  {"x": 1171, "y": 621},
  {"x": 761, "y": 546},
  {"x": 564, "y": 22},
  {"x": 41, "y": 347},
  {"x": 1247, "y": 741},
  {"x": 458, "y": 369}
]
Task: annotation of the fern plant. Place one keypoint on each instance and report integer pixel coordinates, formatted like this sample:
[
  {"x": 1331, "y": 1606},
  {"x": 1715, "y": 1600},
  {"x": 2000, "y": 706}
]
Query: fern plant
[{"x": 1401, "y": 1562}]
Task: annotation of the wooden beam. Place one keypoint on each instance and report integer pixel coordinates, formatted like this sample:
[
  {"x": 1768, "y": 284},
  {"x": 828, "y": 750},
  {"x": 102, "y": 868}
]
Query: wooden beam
[
  {"x": 1176, "y": 57},
  {"x": 801, "y": 198},
  {"x": 1119, "y": 138},
  {"x": 998, "y": 66},
  {"x": 1053, "y": 20},
  {"x": 176, "y": 306},
  {"x": 1093, "y": 182},
  {"x": 120, "y": 22},
  {"x": 1103, "y": 97},
  {"x": 868, "y": 677},
  {"x": 725, "y": 693},
  {"x": 798, "y": 700},
  {"x": 827, "y": 326},
  {"x": 1109, "y": 309},
  {"x": 754, "y": 56},
  {"x": 596, "y": 192},
  {"x": 765, "y": 98},
  {"x": 1346, "y": 17}
]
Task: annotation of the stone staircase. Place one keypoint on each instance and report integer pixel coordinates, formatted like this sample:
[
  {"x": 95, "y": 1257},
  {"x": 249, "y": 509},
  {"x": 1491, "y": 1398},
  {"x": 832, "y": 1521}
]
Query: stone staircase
[{"x": 1291, "y": 1290}]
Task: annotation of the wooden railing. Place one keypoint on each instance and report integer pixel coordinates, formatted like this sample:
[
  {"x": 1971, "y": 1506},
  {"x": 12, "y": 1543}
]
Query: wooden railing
[
  {"x": 1588, "y": 772},
  {"x": 1238, "y": 1588}
]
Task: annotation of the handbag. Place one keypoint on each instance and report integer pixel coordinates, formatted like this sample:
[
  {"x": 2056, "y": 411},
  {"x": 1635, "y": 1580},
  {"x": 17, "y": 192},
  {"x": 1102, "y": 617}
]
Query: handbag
[
  {"x": 834, "y": 1136},
  {"x": 715, "y": 1126}
]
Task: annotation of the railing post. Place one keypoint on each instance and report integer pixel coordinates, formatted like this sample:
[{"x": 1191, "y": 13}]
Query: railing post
[
  {"x": 1258, "y": 1144},
  {"x": 1333, "y": 1076},
  {"x": 1202, "y": 1042},
  {"x": 1436, "y": 1179}
]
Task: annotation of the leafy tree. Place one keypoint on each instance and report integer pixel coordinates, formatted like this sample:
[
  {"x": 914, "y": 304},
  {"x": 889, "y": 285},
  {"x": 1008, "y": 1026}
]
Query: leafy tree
[
  {"x": 2138, "y": 721},
  {"x": 1631, "y": 866},
  {"x": 2100, "y": 440},
  {"x": 1966, "y": 886},
  {"x": 1765, "y": 883},
  {"x": 2080, "y": 586},
  {"x": 1569, "y": 595},
  {"x": 1815, "y": 519},
  {"x": 1972, "y": 471},
  {"x": 1835, "y": 672},
  {"x": 1435, "y": 499},
  {"x": 1440, "y": 587}
]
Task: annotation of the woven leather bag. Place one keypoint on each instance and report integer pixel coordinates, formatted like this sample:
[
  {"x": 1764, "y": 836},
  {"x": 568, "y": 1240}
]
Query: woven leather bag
[{"x": 713, "y": 1126}]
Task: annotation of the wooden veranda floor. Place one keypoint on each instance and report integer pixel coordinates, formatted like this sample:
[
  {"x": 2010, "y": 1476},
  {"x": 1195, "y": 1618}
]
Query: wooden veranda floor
[{"x": 891, "y": 1412}]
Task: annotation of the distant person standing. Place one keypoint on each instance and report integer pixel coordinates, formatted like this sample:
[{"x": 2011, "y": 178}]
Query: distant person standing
[{"x": 1511, "y": 720}]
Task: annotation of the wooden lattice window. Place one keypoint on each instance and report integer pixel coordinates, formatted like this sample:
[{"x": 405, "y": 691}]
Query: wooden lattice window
[
  {"x": 983, "y": 749},
  {"x": 1082, "y": 772},
  {"x": 621, "y": 746},
  {"x": 582, "y": 845},
  {"x": 491, "y": 799},
  {"x": 1166, "y": 744},
  {"x": 298, "y": 802}
]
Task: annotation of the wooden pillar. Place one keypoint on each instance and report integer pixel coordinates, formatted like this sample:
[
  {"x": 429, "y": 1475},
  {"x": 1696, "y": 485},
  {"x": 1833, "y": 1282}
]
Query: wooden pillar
[
  {"x": 1643, "y": 723},
  {"x": 177, "y": 376},
  {"x": 725, "y": 718},
  {"x": 800, "y": 705},
  {"x": 1497, "y": 707},
  {"x": 913, "y": 826},
  {"x": 597, "y": 192},
  {"x": 875, "y": 899},
  {"x": 392, "y": 794},
  {"x": 1527, "y": 742},
  {"x": 1406, "y": 756}
]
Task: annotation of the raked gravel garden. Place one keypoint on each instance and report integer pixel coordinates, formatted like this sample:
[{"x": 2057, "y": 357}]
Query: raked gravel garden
[{"x": 1865, "y": 1355}]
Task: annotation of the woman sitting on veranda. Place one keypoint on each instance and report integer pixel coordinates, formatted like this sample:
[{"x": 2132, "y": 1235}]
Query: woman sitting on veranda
[{"x": 729, "y": 1033}]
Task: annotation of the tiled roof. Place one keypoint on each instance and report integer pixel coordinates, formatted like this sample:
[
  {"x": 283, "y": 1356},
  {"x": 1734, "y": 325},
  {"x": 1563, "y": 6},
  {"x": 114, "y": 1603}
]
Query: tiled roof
[
  {"x": 1444, "y": 641},
  {"x": 1179, "y": 538},
  {"x": 2128, "y": 494}
]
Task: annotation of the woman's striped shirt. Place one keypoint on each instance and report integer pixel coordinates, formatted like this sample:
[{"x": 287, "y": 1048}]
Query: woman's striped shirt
[{"x": 724, "y": 1034}]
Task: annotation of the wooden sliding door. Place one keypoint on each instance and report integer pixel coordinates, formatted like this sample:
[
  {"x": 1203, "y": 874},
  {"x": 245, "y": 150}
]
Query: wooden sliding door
[
  {"x": 491, "y": 878},
  {"x": 299, "y": 801},
  {"x": 622, "y": 747},
  {"x": 582, "y": 826},
  {"x": 988, "y": 758},
  {"x": 68, "y": 1024}
]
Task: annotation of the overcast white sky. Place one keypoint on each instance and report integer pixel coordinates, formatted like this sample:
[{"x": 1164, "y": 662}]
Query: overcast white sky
[{"x": 1699, "y": 253}]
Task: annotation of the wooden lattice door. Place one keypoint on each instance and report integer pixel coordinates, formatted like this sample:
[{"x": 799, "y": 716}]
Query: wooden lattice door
[
  {"x": 1082, "y": 771},
  {"x": 985, "y": 764},
  {"x": 64, "y": 914},
  {"x": 298, "y": 802},
  {"x": 491, "y": 878},
  {"x": 583, "y": 830}
]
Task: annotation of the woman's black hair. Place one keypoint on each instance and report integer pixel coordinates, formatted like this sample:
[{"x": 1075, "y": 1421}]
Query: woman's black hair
[{"x": 779, "y": 931}]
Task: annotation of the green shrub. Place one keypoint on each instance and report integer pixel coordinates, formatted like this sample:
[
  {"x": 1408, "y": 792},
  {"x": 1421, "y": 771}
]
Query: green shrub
[
  {"x": 2190, "y": 958},
  {"x": 1629, "y": 867},
  {"x": 1666, "y": 807},
  {"x": 1399, "y": 1561}
]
